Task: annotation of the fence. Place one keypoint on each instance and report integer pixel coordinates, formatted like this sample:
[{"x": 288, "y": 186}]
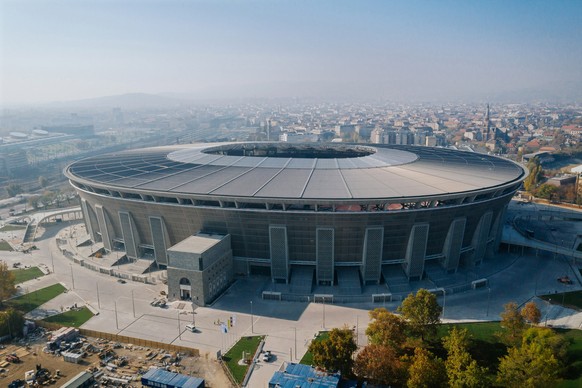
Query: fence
[
  {"x": 228, "y": 373},
  {"x": 125, "y": 339}
]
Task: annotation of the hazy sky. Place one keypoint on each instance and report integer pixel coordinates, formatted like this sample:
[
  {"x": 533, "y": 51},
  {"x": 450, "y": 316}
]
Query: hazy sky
[{"x": 62, "y": 50}]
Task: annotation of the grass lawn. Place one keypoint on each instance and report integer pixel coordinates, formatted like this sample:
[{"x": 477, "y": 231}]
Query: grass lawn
[
  {"x": 574, "y": 369},
  {"x": 32, "y": 300},
  {"x": 307, "y": 358},
  {"x": 486, "y": 349},
  {"x": 72, "y": 317},
  {"x": 22, "y": 275},
  {"x": 567, "y": 299},
  {"x": 234, "y": 355},
  {"x": 10, "y": 228},
  {"x": 4, "y": 246}
]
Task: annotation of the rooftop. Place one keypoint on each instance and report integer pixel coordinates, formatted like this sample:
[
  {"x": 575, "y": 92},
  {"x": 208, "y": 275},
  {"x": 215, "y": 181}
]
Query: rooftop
[{"x": 279, "y": 170}]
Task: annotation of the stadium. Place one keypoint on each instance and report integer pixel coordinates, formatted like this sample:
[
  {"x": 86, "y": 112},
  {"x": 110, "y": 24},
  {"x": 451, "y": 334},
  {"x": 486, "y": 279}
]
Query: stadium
[{"x": 317, "y": 218}]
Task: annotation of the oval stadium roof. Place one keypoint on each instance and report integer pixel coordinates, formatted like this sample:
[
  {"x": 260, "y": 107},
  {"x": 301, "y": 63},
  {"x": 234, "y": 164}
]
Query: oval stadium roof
[{"x": 310, "y": 172}]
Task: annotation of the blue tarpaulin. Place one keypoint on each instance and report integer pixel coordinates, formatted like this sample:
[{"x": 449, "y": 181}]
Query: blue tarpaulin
[
  {"x": 164, "y": 379},
  {"x": 303, "y": 376}
]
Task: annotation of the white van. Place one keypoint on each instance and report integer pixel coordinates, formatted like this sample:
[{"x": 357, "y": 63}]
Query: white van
[{"x": 191, "y": 328}]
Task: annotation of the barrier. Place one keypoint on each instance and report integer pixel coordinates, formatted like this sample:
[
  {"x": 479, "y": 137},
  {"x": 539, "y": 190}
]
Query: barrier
[
  {"x": 125, "y": 339},
  {"x": 377, "y": 298},
  {"x": 323, "y": 298},
  {"x": 271, "y": 295},
  {"x": 479, "y": 283}
]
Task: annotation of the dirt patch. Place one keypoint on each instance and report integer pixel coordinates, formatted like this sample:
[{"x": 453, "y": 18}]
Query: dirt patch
[{"x": 32, "y": 356}]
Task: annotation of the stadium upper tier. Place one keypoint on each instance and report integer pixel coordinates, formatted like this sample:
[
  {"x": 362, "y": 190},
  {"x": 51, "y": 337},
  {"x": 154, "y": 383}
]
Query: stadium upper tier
[{"x": 297, "y": 172}]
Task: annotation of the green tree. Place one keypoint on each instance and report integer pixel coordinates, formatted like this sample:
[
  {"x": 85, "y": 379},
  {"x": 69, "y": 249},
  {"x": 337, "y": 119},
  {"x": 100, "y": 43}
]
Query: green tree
[
  {"x": 535, "y": 173},
  {"x": 531, "y": 313},
  {"x": 546, "y": 191},
  {"x": 13, "y": 189},
  {"x": 335, "y": 352},
  {"x": 33, "y": 201},
  {"x": 381, "y": 365},
  {"x": 548, "y": 339},
  {"x": 531, "y": 365},
  {"x": 43, "y": 182},
  {"x": 462, "y": 369},
  {"x": 47, "y": 198},
  {"x": 422, "y": 313},
  {"x": 386, "y": 329},
  {"x": 11, "y": 322},
  {"x": 426, "y": 371},
  {"x": 512, "y": 323},
  {"x": 6, "y": 282}
]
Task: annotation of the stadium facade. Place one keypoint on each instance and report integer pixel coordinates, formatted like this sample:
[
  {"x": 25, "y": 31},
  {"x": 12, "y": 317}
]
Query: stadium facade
[{"x": 323, "y": 212}]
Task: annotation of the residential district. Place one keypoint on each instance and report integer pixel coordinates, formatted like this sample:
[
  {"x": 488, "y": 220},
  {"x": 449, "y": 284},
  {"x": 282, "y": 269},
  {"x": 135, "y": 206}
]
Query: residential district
[{"x": 67, "y": 323}]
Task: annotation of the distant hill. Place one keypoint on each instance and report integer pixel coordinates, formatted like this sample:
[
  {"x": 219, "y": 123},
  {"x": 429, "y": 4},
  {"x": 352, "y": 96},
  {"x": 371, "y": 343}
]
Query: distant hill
[{"x": 125, "y": 101}]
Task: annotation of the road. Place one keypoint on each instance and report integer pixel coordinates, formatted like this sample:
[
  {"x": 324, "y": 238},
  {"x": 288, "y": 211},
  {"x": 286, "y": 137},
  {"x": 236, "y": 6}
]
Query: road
[{"x": 289, "y": 326}]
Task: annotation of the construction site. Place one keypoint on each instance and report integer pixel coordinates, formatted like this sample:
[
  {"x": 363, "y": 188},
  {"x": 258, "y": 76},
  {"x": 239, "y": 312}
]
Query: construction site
[{"x": 65, "y": 358}]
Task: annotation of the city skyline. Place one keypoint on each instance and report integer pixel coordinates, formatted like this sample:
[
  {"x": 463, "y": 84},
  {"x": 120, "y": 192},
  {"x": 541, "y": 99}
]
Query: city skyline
[{"x": 422, "y": 51}]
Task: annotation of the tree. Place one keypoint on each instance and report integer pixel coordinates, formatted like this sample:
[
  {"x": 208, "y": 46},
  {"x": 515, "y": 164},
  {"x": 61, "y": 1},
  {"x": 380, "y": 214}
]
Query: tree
[
  {"x": 422, "y": 313},
  {"x": 47, "y": 198},
  {"x": 11, "y": 322},
  {"x": 512, "y": 323},
  {"x": 535, "y": 173},
  {"x": 548, "y": 339},
  {"x": 42, "y": 181},
  {"x": 6, "y": 282},
  {"x": 335, "y": 352},
  {"x": 546, "y": 191},
  {"x": 13, "y": 189},
  {"x": 33, "y": 201},
  {"x": 386, "y": 329},
  {"x": 531, "y": 313},
  {"x": 380, "y": 364},
  {"x": 533, "y": 364},
  {"x": 462, "y": 369},
  {"x": 426, "y": 371}
]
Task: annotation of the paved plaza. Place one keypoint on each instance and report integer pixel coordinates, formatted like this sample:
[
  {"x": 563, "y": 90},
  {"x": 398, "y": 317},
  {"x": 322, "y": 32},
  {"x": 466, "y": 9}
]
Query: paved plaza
[{"x": 125, "y": 309}]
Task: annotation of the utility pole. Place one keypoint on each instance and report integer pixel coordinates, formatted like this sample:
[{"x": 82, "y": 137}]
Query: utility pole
[
  {"x": 179, "y": 327},
  {"x": 133, "y": 303}
]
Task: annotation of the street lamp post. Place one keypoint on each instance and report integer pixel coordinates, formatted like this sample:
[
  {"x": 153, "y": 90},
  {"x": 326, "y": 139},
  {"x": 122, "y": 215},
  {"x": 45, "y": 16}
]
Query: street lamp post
[
  {"x": 72, "y": 277},
  {"x": 488, "y": 299},
  {"x": 357, "y": 328},
  {"x": 179, "y": 327},
  {"x": 323, "y": 323},
  {"x": 98, "y": 301},
  {"x": 295, "y": 331},
  {"x": 444, "y": 302},
  {"x": 252, "y": 319},
  {"x": 133, "y": 303},
  {"x": 116, "y": 321}
]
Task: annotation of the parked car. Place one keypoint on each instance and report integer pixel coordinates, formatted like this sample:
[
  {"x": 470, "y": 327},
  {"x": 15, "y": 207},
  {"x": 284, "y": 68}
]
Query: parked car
[
  {"x": 565, "y": 280},
  {"x": 267, "y": 356}
]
